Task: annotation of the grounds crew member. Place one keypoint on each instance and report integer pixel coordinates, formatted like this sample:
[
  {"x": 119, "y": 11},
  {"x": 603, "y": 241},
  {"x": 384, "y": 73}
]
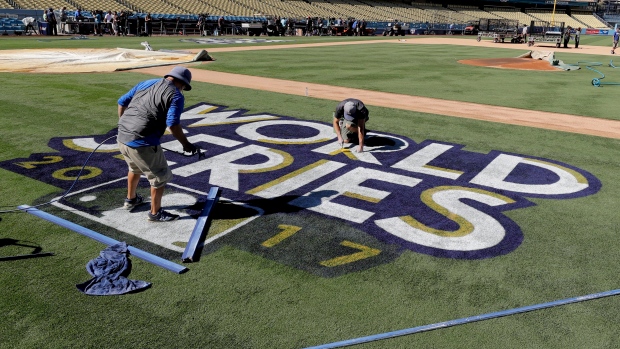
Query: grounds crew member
[
  {"x": 567, "y": 36},
  {"x": 144, "y": 113},
  {"x": 349, "y": 122},
  {"x": 577, "y": 36}
]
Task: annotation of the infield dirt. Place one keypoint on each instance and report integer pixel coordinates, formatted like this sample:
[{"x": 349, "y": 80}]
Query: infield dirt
[{"x": 512, "y": 116}]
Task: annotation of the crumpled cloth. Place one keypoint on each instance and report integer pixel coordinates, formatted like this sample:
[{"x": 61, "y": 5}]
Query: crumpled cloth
[{"x": 110, "y": 271}]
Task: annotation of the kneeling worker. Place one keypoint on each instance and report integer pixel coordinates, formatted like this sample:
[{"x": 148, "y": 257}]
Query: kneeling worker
[
  {"x": 144, "y": 113},
  {"x": 350, "y": 122}
]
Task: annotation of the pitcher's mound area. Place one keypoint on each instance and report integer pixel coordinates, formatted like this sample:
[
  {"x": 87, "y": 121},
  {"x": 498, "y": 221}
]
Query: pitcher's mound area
[{"x": 512, "y": 63}]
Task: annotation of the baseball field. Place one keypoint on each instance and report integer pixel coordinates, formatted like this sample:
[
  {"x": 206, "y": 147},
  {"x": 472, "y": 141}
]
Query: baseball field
[{"x": 485, "y": 195}]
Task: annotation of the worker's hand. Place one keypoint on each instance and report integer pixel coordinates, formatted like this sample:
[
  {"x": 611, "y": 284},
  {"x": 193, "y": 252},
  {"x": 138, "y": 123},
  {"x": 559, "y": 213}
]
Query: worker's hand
[
  {"x": 340, "y": 141},
  {"x": 190, "y": 148},
  {"x": 359, "y": 149}
]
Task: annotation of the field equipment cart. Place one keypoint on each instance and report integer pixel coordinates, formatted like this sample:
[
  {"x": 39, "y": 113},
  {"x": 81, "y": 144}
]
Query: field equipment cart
[{"x": 545, "y": 32}]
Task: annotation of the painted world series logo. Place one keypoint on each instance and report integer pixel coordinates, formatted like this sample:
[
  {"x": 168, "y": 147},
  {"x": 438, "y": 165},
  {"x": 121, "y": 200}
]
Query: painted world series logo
[{"x": 288, "y": 182}]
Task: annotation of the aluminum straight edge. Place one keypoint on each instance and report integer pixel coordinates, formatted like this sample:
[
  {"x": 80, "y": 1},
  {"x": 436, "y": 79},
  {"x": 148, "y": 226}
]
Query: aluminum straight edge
[
  {"x": 465, "y": 320},
  {"x": 153, "y": 259},
  {"x": 201, "y": 222}
]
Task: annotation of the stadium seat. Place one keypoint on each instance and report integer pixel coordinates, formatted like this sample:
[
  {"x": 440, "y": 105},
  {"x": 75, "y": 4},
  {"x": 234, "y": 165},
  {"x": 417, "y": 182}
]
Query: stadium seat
[{"x": 414, "y": 13}]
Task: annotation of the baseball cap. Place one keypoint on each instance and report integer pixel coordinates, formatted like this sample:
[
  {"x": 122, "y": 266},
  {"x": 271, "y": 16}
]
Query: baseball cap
[
  {"x": 349, "y": 110},
  {"x": 183, "y": 74}
]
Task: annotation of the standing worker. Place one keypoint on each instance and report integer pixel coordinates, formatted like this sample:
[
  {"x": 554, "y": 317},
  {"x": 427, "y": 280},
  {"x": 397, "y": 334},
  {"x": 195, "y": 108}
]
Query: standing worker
[
  {"x": 202, "y": 22},
  {"x": 52, "y": 22},
  {"x": 349, "y": 122},
  {"x": 567, "y": 36},
  {"x": 148, "y": 24},
  {"x": 616, "y": 37},
  {"x": 308, "y": 26},
  {"x": 63, "y": 20},
  {"x": 577, "y": 35},
  {"x": 144, "y": 113},
  {"x": 220, "y": 26},
  {"x": 97, "y": 26}
]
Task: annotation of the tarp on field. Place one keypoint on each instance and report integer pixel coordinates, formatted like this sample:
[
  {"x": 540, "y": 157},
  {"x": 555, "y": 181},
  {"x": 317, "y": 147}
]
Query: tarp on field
[
  {"x": 90, "y": 60},
  {"x": 549, "y": 56}
]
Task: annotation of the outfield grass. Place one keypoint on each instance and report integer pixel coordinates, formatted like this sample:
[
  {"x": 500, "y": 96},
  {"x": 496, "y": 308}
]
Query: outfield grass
[
  {"x": 434, "y": 71},
  {"x": 236, "y": 299},
  {"x": 157, "y": 42}
]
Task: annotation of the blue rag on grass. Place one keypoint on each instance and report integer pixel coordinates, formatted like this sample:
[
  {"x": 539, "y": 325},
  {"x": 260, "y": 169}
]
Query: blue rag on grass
[{"x": 110, "y": 271}]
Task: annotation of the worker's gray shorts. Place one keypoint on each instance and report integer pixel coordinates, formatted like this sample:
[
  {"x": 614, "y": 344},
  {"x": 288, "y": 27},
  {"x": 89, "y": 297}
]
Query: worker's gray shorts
[
  {"x": 344, "y": 129},
  {"x": 149, "y": 161}
]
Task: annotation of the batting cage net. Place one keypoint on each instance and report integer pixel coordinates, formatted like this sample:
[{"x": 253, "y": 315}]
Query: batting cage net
[
  {"x": 541, "y": 27},
  {"x": 498, "y": 25}
]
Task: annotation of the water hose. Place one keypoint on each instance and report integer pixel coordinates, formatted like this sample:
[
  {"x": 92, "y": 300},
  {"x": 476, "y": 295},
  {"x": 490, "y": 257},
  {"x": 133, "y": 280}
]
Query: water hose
[
  {"x": 197, "y": 151},
  {"x": 596, "y": 82},
  {"x": 72, "y": 185}
]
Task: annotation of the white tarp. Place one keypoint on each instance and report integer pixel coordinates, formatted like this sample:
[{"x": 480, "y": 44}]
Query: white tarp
[
  {"x": 89, "y": 60},
  {"x": 549, "y": 56},
  {"x": 542, "y": 55}
]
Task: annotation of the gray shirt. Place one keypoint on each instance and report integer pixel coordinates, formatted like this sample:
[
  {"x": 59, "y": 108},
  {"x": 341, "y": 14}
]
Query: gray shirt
[{"x": 151, "y": 106}]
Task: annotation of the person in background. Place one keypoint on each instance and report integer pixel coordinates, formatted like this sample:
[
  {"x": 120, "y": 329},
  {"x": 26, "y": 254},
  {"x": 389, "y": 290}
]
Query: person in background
[
  {"x": 220, "y": 25},
  {"x": 98, "y": 19},
  {"x": 148, "y": 24},
  {"x": 108, "y": 22},
  {"x": 291, "y": 27},
  {"x": 308, "y": 26},
  {"x": 577, "y": 35},
  {"x": 202, "y": 22},
  {"x": 52, "y": 22},
  {"x": 616, "y": 38},
  {"x": 63, "y": 20},
  {"x": 566, "y": 38},
  {"x": 363, "y": 27},
  {"x": 122, "y": 23},
  {"x": 115, "y": 24},
  {"x": 283, "y": 25}
]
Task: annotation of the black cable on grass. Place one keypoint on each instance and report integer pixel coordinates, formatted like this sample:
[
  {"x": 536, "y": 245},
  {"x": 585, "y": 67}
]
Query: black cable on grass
[
  {"x": 198, "y": 151},
  {"x": 72, "y": 185}
]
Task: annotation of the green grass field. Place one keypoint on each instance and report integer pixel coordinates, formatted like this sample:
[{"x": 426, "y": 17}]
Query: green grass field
[{"x": 234, "y": 298}]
